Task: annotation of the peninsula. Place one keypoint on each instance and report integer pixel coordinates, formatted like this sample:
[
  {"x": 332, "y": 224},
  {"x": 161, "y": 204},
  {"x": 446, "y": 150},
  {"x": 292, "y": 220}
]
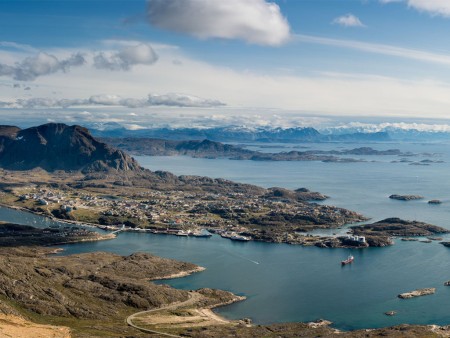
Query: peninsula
[{"x": 212, "y": 149}]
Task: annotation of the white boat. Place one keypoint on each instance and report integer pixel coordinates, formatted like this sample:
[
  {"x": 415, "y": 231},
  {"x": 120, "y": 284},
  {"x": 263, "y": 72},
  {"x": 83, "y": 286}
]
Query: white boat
[
  {"x": 241, "y": 238},
  {"x": 182, "y": 233}
]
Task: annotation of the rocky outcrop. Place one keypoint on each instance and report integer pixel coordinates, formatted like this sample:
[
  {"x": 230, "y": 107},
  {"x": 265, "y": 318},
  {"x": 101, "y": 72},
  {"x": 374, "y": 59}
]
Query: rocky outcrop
[
  {"x": 406, "y": 197},
  {"x": 59, "y": 147},
  {"x": 417, "y": 293},
  {"x": 397, "y": 227},
  {"x": 434, "y": 202},
  {"x": 301, "y": 194}
]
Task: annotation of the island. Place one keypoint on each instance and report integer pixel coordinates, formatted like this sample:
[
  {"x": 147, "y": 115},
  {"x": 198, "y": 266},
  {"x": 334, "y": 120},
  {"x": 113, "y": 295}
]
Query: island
[
  {"x": 406, "y": 197},
  {"x": 435, "y": 202},
  {"x": 417, "y": 293}
]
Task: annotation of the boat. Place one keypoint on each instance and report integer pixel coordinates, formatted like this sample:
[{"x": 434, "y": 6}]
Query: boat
[
  {"x": 200, "y": 234},
  {"x": 240, "y": 238},
  {"x": 348, "y": 260},
  {"x": 182, "y": 233}
]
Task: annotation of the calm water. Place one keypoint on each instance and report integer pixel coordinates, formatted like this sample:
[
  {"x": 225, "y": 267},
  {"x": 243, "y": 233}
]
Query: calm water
[{"x": 291, "y": 283}]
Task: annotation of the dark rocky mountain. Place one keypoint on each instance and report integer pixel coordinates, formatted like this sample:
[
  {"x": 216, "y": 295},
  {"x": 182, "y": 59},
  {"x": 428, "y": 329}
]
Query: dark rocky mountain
[{"x": 59, "y": 147}]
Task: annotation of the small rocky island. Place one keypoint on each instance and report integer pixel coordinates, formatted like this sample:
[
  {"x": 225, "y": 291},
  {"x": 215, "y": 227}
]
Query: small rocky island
[
  {"x": 406, "y": 197},
  {"x": 417, "y": 293},
  {"x": 435, "y": 202},
  {"x": 380, "y": 233}
]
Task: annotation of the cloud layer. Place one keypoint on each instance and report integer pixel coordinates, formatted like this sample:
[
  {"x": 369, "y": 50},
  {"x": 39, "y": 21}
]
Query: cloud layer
[
  {"x": 434, "y": 7},
  {"x": 141, "y": 54},
  {"x": 254, "y": 21},
  {"x": 42, "y": 64},
  {"x": 170, "y": 100},
  {"x": 378, "y": 48}
]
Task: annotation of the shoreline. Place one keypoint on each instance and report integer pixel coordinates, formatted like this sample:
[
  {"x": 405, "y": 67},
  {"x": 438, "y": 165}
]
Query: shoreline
[
  {"x": 302, "y": 239},
  {"x": 179, "y": 274},
  {"x": 209, "y": 311}
]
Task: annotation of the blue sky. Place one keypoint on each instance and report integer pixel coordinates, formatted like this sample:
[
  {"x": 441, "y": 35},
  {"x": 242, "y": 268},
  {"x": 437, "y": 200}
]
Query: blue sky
[{"x": 224, "y": 61}]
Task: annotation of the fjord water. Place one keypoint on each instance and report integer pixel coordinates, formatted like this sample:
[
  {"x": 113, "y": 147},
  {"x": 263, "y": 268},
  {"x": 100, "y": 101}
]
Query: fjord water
[{"x": 292, "y": 283}]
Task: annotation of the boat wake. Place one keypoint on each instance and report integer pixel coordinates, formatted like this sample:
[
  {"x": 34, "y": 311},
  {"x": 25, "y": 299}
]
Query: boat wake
[{"x": 242, "y": 257}]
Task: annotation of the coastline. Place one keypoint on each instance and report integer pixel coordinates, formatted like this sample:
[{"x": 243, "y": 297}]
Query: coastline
[{"x": 180, "y": 274}]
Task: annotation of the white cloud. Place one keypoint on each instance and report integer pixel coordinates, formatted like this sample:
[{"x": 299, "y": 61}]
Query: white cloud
[
  {"x": 245, "y": 92},
  {"x": 348, "y": 20},
  {"x": 179, "y": 100},
  {"x": 170, "y": 100},
  {"x": 41, "y": 64},
  {"x": 103, "y": 100},
  {"x": 141, "y": 54},
  {"x": 255, "y": 21},
  {"x": 378, "y": 48},
  {"x": 434, "y": 7}
]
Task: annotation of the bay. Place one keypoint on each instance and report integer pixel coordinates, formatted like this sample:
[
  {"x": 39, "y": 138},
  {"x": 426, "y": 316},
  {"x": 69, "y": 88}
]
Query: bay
[{"x": 290, "y": 283}]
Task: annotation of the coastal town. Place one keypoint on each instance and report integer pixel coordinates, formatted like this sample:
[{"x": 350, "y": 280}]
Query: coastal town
[
  {"x": 271, "y": 215},
  {"x": 235, "y": 215}
]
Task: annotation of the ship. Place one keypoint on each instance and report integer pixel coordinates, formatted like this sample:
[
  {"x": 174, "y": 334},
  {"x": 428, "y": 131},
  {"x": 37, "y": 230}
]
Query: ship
[
  {"x": 234, "y": 236},
  {"x": 348, "y": 260},
  {"x": 200, "y": 234},
  {"x": 240, "y": 238},
  {"x": 183, "y": 233}
]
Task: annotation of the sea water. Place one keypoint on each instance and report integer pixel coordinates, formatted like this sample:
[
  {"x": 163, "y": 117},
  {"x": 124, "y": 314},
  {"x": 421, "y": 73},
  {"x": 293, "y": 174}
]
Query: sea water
[{"x": 285, "y": 283}]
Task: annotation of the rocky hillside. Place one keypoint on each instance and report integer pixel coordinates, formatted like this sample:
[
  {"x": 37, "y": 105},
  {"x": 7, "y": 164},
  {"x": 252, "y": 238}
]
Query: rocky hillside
[
  {"x": 59, "y": 147},
  {"x": 93, "y": 285}
]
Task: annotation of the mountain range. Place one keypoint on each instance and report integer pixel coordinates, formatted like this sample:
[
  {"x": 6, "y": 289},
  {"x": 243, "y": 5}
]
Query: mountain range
[
  {"x": 236, "y": 134},
  {"x": 245, "y": 134}
]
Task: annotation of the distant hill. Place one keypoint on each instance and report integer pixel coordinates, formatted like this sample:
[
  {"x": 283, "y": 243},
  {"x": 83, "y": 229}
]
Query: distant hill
[
  {"x": 158, "y": 147},
  {"x": 59, "y": 147},
  {"x": 212, "y": 149},
  {"x": 222, "y": 134}
]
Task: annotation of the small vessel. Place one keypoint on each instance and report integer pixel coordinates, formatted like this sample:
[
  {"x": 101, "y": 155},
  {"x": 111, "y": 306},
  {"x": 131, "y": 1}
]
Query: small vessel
[
  {"x": 348, "y": 260},
  {"x": 200, "y": 234},
  {"x": 182, "y": 233},
  {"x": 240, "y": 238}
]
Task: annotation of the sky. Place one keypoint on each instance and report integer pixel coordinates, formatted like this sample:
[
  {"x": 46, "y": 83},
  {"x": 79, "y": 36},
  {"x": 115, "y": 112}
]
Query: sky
[{"x": 216, "y": 62}]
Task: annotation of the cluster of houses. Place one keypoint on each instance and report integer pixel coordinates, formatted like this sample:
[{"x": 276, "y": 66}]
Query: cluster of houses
[{"x": 174, "y": 209}]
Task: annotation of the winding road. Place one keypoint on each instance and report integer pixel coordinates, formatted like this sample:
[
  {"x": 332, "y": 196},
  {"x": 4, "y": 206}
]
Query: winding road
[{"x": 193, "y": 298}]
